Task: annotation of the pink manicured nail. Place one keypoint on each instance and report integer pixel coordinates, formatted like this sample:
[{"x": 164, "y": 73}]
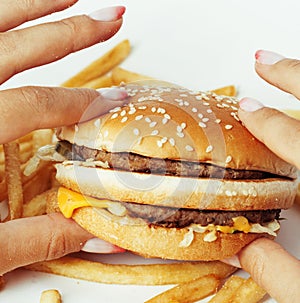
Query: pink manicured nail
[
  {"x": 233, "y": 261},
  {"x": 267, "y": 57},
  {"x": 107, "y": 14},
  {"x": 250, "y": 105},
  {"x": 96, "y": 245},
  {"x": 113, "y": 93}
]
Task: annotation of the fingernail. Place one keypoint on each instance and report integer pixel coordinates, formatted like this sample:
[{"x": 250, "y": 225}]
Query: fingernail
[
  {"x": 112, "y": 13},
  {"x": 267, "y": 57},
  {"x": 96, "y": 245},
  {"x": 113, "y": 93},
  {"x": 233, "y": 261},
  {"x": 250, "y": 105}
]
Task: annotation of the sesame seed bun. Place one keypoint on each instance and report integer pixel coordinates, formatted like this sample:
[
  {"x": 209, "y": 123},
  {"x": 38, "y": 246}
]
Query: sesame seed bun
[
  {"x": 161, "y": 242},
  {"x": 174, "y": 124}
]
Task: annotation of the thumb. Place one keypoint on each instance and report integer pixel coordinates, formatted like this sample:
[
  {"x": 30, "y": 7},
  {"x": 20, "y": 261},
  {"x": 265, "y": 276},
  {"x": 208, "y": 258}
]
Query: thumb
[
  {"x": 279, "y": 132},
  {"x": 281, "y": 72},
  {"x": 272, "y": 268}
]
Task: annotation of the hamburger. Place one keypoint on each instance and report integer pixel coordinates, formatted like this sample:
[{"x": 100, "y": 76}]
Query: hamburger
[{"x": 172, "y": 174}]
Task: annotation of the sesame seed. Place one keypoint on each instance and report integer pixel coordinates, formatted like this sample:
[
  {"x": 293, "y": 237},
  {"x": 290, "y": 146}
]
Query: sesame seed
[
  {"x": 167, "y": 116},
  {"x": 161, "y": 110},
  {"x": 220, "y": 105},
  {"x": 186, "y": 103},
  {"x": 152, "y": 124},
  {"x": 205, "y": 119},
  {"x": 155, "y": 132},
  {"x": 165, "y": 121},
  {"x": 228, "y": 126},
  {"x": 97, "y": 123},
  {"x": 172, "y": 141},
  {"x": 132, "y": 111},
  {"x": 116, "y": 109},
  {"x": 123, "y": 113},
  {"x": 136, "y": 131},
  {"x": 209, "y": 111},
  {"x": 218, "y": 121},
  {"x": 153, "y": 109},
  {"x": 198, "y": 98},
  {"x": 114, "y": 116},
  {"x": 228, "y": 159},
  {"x": 183, "y": 95},
  {"x": 164, "y": 139},
  {"x": 148, "y": 120},
  {"x": 206, "y": 103},
  {"x": 194, "y": 109},
  {"x": 200, "y": 116},
  {"x": 139, "y": 117},
  {"x": 209, "y": 148},
  {"x": 183, "y": 125},
  {"x": 189, "y": 148},
  {"x": 159, "y": 143},
  {"x": 179, "y": 129},
  {"x": 201, "y": 124},
  {"x": 180, "y": 134},
  {"x": 225, "y": 105},
  {"x": 234, "y": 107},
  {"x": 142, "y": 107},
  {"x": 124, "y": 119}
]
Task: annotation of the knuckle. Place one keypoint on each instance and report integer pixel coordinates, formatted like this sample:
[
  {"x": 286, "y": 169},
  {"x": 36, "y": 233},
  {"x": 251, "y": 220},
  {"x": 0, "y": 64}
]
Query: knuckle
[
  {"x": 36, "y": 98},
  {"x": 7, "y": 44}
]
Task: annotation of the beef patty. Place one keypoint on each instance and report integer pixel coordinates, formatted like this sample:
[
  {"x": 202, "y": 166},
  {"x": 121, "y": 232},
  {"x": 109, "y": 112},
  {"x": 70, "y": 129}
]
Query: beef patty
[
  {"x": 137, "y": 163},
  {"x": 182, "y": 217}
]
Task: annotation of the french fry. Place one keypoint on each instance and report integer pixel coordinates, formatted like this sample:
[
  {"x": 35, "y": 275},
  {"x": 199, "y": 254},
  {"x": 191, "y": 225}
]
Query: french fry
[
  {"x": 228, "y": 290},
  {"x": 38, "y": 204},
  {"x": 248, "y": 292},
  {"x": 120, "y": 75},
  {"x": 149, "y": 274},
  {"x": 50, "y": 296},
  {"x": 103, "y": 81},
  {"x": 100, "y": 66},
  {"x": 229, "y": 90},
  {"x": 13, "y": 180},
  {"x": 189, "y": 292}
]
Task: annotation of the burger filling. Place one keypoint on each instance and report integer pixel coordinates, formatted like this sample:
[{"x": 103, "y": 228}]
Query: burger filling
[
  {"x": 208, "y": 221},
  {"x": 137, "y": 163}
]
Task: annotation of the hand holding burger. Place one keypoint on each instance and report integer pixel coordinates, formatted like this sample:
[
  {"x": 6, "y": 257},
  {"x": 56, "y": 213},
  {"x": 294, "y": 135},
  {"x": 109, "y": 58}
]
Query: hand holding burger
[
  {"x": 25, "y": 241},
  {"x": 268, "y": 263}
]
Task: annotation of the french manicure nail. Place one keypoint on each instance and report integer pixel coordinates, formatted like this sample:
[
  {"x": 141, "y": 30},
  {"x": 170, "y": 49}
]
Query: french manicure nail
[
  {"x": 233, "y": 261},
  {"x": 113, "y": 93},
  {"x": 267, "y": 57},
  {"x": 107, "y": 14},
  {"x": 250, "y": 105},
  {"x": 96, "y": 245}
]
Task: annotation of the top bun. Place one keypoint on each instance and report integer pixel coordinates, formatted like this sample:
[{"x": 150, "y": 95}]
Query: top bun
[{"x": 180, "y": 124}]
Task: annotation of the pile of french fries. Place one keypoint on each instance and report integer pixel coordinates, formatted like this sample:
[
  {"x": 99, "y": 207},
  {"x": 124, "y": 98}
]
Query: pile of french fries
[{"x": 29, "y": 194}]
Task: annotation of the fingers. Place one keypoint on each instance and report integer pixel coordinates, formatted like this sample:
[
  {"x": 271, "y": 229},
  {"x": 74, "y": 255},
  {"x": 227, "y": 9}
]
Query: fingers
[
  {"x": 279, "y": 71},
  {"x": 39, "y": 238},
  {"x": 273, "y": 269},
  {"x": 97, "y": 245},
  {"x": 41, "y": 44},
  {"x": 14, "y": 13},
  {"x": 277, "y": 131},
  {"x": 43, "y": 107}
]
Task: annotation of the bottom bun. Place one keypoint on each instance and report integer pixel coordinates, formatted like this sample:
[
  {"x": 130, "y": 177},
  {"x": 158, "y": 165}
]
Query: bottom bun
[{"x": 153, "y": 241}]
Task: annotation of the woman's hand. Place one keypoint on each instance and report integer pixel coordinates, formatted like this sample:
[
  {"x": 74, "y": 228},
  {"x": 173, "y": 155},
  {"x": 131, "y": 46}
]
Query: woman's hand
[
  {"x": 268, "y": 263},
  {"x": 28, "y": 240}
]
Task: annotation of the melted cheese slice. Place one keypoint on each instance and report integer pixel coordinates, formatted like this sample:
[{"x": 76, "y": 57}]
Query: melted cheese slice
[{"x": 69, "y": 200}]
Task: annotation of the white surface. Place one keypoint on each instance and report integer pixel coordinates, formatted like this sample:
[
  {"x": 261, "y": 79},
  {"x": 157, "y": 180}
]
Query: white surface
[{"x": 197, "y": 44}]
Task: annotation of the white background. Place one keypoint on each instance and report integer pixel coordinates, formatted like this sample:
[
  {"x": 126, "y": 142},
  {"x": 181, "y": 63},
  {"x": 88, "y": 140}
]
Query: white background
[{"x": 197, "y": 44}]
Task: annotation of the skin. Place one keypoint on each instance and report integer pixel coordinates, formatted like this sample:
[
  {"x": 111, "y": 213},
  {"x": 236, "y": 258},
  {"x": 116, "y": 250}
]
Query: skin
[
  {"x": 28, "y": 240},
  {"x": 268, "y": 263}
]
